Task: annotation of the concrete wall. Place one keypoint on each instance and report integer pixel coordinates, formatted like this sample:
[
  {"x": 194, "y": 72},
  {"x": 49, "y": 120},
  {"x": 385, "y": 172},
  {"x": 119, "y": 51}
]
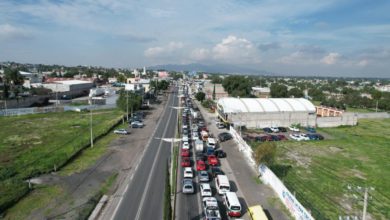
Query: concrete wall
[
  {"x": 285, "y": 119},
  {"x": 346, "y": 119},
  {"x": 373, "y": 115}
]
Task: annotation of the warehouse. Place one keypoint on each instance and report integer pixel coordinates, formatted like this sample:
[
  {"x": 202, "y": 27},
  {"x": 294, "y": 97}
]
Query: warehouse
[{"x": 262, "y": 112}]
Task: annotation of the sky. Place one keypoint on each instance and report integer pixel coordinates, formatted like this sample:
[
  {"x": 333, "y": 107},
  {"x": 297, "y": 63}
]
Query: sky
[{"x": 294, "y": 37}]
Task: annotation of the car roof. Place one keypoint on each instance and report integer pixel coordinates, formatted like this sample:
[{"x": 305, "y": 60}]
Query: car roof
[
  {"x": 188, "y": 169},
  {"x": 205, "y": 186}
]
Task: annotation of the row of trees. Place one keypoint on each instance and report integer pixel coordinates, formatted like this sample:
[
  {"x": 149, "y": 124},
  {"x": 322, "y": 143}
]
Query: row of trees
[{"x": 12, "y": 82}]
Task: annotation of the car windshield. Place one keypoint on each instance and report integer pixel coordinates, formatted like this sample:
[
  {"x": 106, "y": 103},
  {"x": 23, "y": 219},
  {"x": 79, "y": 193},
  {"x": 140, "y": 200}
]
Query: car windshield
[
  {"x": 224, "y": 188},
  {"x": 188, "y": 187},
  {"x": 235, "y": 208}
]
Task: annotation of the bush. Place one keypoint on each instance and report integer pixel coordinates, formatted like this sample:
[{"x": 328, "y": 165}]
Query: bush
[{"x": 265, "y": 153}]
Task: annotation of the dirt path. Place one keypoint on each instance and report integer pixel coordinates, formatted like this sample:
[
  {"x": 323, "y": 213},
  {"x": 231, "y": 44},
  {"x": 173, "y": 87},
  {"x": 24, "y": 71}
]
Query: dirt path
[{"x": 80, "y": 187}]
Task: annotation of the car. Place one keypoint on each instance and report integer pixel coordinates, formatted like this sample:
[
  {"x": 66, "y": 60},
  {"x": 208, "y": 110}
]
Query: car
[
  {"x": 282, "y": 129},
  {"x": 203, "y": 176},
  {"x": 210, "y": 208},
  {"x": 220, "y": 125},
  {"x": 200, "y": 165},
  {"x": 185, "y": 138},
  {"x": 274, "y": 129},
  {"x": 224, "y": 136},
  {"x": 194, "y": 127},
  {"x": 201, "y": 123},
  {"x": 188, "y": 172},
  {"x": 195, "y": 136},
  {"x": 275, "y": 138},
  {"x": 293, "y": 128},
  {"x": 185, "y": 152},
  {"x": 212, "y": 160},
  {"x": 201, "y": 156},
  {"x": 137, "y": 124},
  {"x": 296, "y": 137},
  {"x": 310, "y": 129},
  {"x": 121, "y": 131},
  {"x": 216, "y": 171},
  {"x": 282, "y": 137},
  {"x": 304, "y": 136},
  {"x": 185, "y": 162},
  {"x": 267, "y": 130},
  {"x": 205, "y": 189},
  {"x": 220, "y": 153},
  {"x": 315, "y": 136},
  {"x": 185, "y": 145},
  {"x": 264, "y": 138},
  {"x": 188, "y": 186}
]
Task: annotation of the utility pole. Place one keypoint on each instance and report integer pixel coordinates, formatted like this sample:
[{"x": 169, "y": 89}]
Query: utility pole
[
  {"x": 91, "y": 123},
  {"x": 357, "y": 198},
  {"x": 127, "y": 104},
  {"x": 365, "y": 204}
]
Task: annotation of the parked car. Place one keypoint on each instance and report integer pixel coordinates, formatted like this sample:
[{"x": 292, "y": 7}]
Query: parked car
[
  {"x": 274, "y": 129},
  {"x": 188, "y": 186},
  {"x": 212, "y": 160},
  {"x": 185, "y": 145},
  {"x": 137, "y": 124},
  {"x": 200, "y": 165},
  {"x": 121, "y": 131},
  {"x": 188, "y": 172},
  {"x": 224, "y": 136},
  {"x": 264, "y": 138},
  {"x": 310, "y": 129},
  {"x": 304, "y": 137},
  {"x": 275, "y": 138},
  {"x": 203, "y": 176},
  {"x": 185, "y": 152},
  {"x": 282, "y": 129},
  {"x": 267, "y": 130},
  {"x": 282, "y": 137},
  {"x": 220, "y": 153},
  {"x": 185, "y": 162},
  {"x": 315, "y": 137},
  {"x": 296, "y": 137},
  {"x": 205, "y": 189},
  {"x": 185, "y": 138},
  {"x": 293, "y": 128}
]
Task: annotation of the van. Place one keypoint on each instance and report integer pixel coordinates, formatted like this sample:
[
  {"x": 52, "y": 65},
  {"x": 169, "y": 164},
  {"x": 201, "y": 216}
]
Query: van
[
  {"x": 233, "y": 206},
  {"x": 256, "y": 212},
  {"x": 222, "y": 184}
]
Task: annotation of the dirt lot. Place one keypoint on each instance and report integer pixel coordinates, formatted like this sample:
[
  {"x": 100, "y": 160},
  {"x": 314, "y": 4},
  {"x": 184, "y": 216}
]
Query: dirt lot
[{"x": 76, "y": 189}]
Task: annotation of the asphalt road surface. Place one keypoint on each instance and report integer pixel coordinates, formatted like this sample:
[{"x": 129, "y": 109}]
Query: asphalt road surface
[{"x": 143, "y": 198}]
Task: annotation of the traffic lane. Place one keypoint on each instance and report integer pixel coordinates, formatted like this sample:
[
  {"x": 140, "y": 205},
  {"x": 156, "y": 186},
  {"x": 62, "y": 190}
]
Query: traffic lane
[{"x": 130, "y": 203}]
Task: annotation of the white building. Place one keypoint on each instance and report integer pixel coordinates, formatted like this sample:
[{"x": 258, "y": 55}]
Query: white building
[
  {"x": 136, "y": 84},
  {"x": 262, "y": 112},
  {"x": 69, "y": 85}
]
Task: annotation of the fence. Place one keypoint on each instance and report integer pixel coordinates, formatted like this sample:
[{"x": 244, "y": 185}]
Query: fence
[
  {"x": 243, "y": 147},
  {"x": 288, "y": 199}
]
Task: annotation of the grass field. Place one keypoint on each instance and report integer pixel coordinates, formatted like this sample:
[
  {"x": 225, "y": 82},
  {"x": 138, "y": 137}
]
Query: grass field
[
  {"x": 34, "y": 144},
  {"x": 319, "y": 172}
]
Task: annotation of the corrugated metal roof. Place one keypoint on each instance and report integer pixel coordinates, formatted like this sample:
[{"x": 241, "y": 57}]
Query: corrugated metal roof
[{"x": 231, "y": 105}]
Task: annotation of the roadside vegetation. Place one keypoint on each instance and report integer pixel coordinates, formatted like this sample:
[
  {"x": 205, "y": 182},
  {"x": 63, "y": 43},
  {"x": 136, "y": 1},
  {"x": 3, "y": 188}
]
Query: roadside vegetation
[
  {"x": 32, "y": 145},
  {"x": 326, "y": 175}
]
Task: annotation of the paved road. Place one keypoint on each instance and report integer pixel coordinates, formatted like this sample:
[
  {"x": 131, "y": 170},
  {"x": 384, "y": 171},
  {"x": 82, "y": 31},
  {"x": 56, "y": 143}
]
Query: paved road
[{"x": 143, "y": 199}]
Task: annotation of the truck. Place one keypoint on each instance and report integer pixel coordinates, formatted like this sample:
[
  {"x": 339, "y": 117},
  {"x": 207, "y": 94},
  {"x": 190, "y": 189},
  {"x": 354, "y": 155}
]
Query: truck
[
  {"x": 204, "y": 135},
  {"x": 199, "y": 146},
  {"x": 96, "y": 92}
]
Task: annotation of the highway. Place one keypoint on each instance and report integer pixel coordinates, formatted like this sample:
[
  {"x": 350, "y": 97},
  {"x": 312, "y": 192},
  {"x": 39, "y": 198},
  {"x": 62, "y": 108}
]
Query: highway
[{"x": 143, "y": 198}]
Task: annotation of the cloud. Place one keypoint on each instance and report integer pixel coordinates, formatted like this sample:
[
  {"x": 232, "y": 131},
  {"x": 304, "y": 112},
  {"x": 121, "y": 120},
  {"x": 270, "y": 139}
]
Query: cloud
[
  {"x": 163, "y": 50},
  {"x": 304, "y": 54},
  {"x": 269, "y": 46},
  {"x": 363, "y": 63},
  {"x": 237, "y": 50},
  {"x": 200, "y": 54},
  {"x": 9, "y": 32},
  {"x": 331, "y": 58}
]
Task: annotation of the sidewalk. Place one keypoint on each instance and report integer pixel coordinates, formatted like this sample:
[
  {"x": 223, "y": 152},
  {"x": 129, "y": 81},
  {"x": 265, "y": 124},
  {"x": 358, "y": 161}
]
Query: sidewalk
[{"x": 245, "y": 176}]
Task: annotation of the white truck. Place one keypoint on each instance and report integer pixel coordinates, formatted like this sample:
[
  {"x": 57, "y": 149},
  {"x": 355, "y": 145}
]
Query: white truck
[{"x": 199, "y": 146}]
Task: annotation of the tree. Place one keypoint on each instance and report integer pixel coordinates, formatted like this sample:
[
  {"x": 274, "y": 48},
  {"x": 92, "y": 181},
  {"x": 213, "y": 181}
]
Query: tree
[
  {"x": 200, "y": 96},
  {"x": 121, "y": 78},
  {"x": 12, "y": 81},
  {"x": 265, "y": 153},
  {"x": 134, "y": 100},
  {"x": 216, "y": 79},
  {"x": 295, "y": 92},
  {"x": 376, "y": 95},
  {"x": 278, "y": 91},
  {"x": 214, "y": 92},
  {"x": 238, "y": 86}
]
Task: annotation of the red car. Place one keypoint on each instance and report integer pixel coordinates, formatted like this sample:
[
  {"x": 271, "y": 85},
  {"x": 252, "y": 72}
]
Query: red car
[
  {"x": 200, "y": 165},
  {"x": 185, "y": 162},
  {"x": 213, "y": 160},
  {"x": 185, "y": 153},
  {"x": 282, "y": 137}
]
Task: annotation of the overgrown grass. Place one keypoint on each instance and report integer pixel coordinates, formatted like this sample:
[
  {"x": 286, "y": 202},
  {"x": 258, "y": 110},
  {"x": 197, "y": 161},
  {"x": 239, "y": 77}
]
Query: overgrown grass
[
  {"x": 34, "y": 144},
  {"x": 38, "y": 199},
  {"x": 322, "y": 170}
]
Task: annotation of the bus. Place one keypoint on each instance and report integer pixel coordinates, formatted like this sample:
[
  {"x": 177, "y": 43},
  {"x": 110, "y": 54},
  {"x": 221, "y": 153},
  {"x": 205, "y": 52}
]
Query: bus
[{"x": 257, "y": 213}]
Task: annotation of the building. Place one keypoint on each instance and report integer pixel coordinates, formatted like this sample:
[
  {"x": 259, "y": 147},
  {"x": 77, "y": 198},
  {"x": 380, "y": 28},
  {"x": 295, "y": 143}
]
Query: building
[
  {"x": 69, "y": 86},
  {"x": 261, "y": 92},
  {"x": 219, "y": 91},
  {"x": 261, "y": 112},
  {"x": 325, "y": 111},
  {"x": 136, "y": 84}
]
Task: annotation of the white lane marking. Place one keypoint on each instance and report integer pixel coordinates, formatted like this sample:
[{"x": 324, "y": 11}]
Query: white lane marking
[
  {"x": 152, "y": 171},
  {"x": 139, "y": 160}
]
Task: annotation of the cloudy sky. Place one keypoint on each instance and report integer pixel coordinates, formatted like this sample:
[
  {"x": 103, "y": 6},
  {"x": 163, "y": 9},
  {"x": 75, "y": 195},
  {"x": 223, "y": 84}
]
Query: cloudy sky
[{"x": 299, "y": 37}]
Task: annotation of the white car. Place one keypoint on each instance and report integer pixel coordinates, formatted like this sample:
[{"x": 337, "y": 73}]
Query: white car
[
  {"x": 188, "y": 172},
  {"x": 205, "y": 190},
  {"x": 293, "y": 128},
  {"x": 195, "y": 136},
  {"x": 121, "y": 131},
  {"x": 274, "y": 129},
  {"x": 210, "y": 208},
  {"x": 296, "y": 137},
  {"x": 185, "y": 138},
  {"x": 304, "y": 137},
  {"x": 186, "y": 145}
]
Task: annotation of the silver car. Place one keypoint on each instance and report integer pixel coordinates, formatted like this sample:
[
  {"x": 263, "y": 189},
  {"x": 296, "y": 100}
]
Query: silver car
[
  {"x": 188, "y": 186},
  {"x": 203, "y": 176}
]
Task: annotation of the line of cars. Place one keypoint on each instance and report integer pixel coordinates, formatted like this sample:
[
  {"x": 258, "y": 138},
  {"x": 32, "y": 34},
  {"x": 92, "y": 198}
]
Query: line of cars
[
  {"x": 207, "y": 166},
  {"x": 274, "y": 134}
]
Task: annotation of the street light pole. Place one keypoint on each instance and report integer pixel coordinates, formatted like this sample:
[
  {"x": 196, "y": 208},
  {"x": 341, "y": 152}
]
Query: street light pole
[
  {"x": 91, "y": 123},
  {"x": 127, "y": 104}
]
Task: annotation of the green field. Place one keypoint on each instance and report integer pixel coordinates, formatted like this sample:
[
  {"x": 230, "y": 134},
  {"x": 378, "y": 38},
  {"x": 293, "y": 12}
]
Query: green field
[
  {"x": 319, "y": 172},
  {"x": 31, "y": 145}
]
